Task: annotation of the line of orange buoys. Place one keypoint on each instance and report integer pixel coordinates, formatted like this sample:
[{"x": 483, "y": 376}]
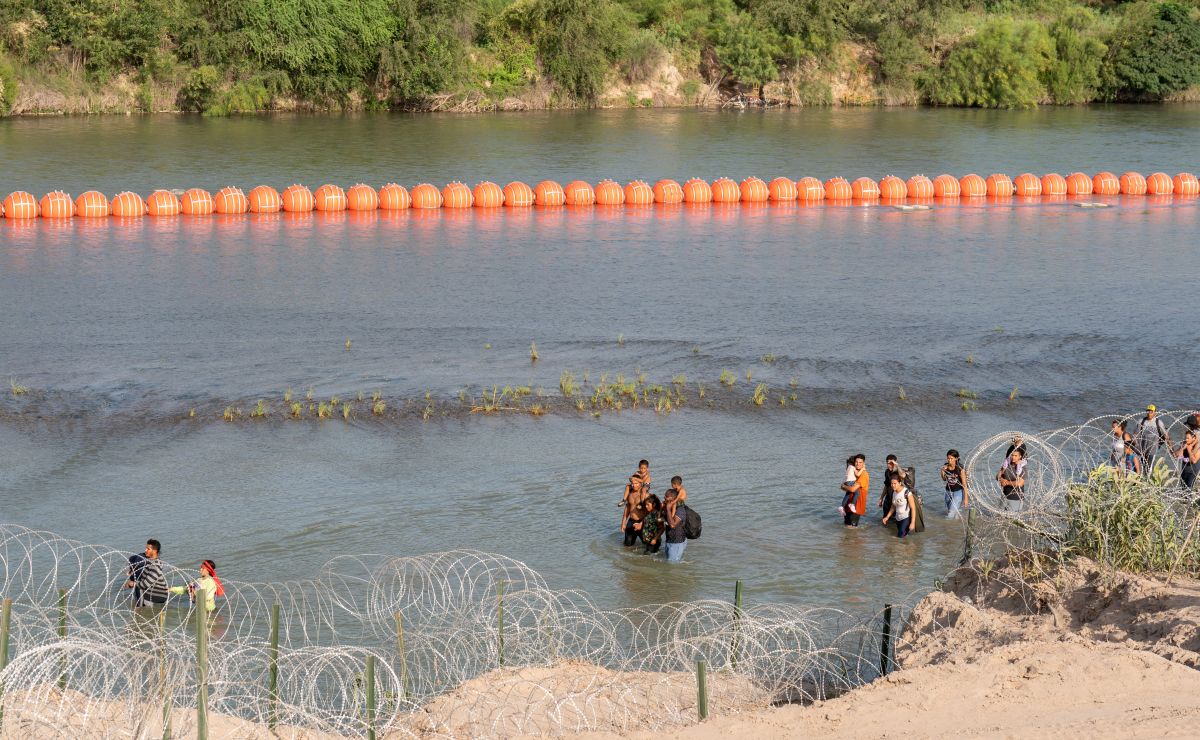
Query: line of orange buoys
[{"x": 391, "y": 197}]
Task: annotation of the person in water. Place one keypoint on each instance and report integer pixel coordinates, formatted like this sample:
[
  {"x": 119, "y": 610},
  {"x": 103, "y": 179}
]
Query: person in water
[
  {"x": 674, "y": 516},
  {"x": 862, "y": 480},
  {"x": 146, "y": 577},
  {"x": 1119, "y": 437},
  {"x": 892, "y": 470},
  {"x": 1131, "y": 461},
  {"x": 643, "y": 475},
  {"x": 208, "y": 582},
  {"x": 955, "y": 477},
  {"x": 1151, "y": 435},
  {"x": 1012, "y": 481},
  {"x": 652, "y": 524},
  {"x": 1188, "y": 456},
  {"x": 847, "y": 485},
  {"x": 633, "y": 512},
  {"x": 902, "y": 507}
]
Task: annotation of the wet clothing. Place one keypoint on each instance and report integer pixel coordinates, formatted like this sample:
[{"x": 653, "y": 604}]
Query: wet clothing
[
  {"x": 150, "y": 585},
  {"x": 205, "y": 582},
  {"x": 1012, "y": 472},
  {"x": 1151, "y": 435},
  {"x": 858, "y": 506},
  {"x": 900, "y": 504},
  {"x": 955, "y": 493},
  {"x": 675, "y": 534},
  {"x": 651, "y": 528},
  {"x": 1188, "y": 469}
]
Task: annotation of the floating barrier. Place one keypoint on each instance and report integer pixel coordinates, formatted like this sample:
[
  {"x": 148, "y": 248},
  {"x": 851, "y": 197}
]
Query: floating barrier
[
  {"x": 890, "y": 190},
  {"x": 488, "y": 195},
  {"x": 516, "y": 195},
  {"x": 579, "y": 193},
  {"x": 264, "y": 199}
]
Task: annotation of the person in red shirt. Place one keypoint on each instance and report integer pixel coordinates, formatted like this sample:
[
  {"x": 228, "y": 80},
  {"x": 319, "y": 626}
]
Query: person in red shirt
[{"x": 862, "y": 481}]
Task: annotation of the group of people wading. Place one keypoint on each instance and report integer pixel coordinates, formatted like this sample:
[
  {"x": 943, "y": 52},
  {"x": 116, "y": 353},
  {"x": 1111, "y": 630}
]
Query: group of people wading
[{"x": 657, "y": 523}]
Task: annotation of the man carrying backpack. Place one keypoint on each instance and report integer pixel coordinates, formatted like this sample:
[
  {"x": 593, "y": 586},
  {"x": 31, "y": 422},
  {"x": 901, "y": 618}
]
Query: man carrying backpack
[
  {"x": 675, "y": 514},
  {"x": 1151, "y": 436}
]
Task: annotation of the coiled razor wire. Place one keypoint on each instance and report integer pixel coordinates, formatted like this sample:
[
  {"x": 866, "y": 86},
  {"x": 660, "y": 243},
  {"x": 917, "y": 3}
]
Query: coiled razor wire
[{"x": 463, "y": 643}]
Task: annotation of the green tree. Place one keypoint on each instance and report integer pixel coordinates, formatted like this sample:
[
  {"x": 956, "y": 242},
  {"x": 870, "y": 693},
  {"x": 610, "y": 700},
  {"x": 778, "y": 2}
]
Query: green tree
[
  {"x": 808, "y": 28},
  {"x": 1074, "y": 75},
  {"x": 1001, "y": 66},
  {"x": 1154, "y": 53},
  {"x": 747, "y": 50},
  {"x": 578, "y": 41}
]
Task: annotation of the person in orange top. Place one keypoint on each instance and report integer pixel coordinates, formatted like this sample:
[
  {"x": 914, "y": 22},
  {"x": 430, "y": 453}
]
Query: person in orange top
[{"x": 862, "y": 481}]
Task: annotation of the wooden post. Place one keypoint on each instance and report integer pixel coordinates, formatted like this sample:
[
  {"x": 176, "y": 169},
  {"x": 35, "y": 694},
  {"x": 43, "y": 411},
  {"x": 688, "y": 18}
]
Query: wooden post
[
  {"x": 273, "y": 670},
  {"x": 885, "y": 644},
  {"x": 168, "y": 699},
  {"x": 403, "y": 653},
  {"x": 500, "y": 620},
  {"x": 62, "y": 635},
  {"x": 201, "y": 610},
  {"x": 737, "y": 624},
  {"x": 702, "y": 690},
  {"x": 5, "y": 626},
  {"x": 370, "y": 697},
  {"x": 969, "y": 537}
]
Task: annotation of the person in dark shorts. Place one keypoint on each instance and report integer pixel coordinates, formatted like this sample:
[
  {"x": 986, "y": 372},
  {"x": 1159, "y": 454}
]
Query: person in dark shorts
[
  {"x": 631, "y": 519},
  {"x": 892, "y": 470}
]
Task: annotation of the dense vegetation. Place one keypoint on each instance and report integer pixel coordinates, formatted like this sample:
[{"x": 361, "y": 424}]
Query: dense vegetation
[{"x": 222, "y": 56}]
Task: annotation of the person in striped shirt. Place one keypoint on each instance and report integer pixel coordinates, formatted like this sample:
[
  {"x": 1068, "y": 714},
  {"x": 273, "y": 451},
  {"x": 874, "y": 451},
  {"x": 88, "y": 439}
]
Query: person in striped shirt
[{"x": 146, "y": 577}]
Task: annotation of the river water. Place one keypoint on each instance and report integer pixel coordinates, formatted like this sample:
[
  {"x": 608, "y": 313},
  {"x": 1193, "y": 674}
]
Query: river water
[{"x": 120, "y": 329}]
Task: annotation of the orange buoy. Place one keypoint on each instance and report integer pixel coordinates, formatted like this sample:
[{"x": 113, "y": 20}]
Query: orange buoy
[
  {"x": 94, "y": 204},
  {"x": 725, "y": 190},
  {"x": 864, "y": 188},
  {"x": 196, "y": 202},
  {"x": 972, "y": 186},
  {"x": 426, "y": 196},
  {"x": 230, "y": 200},
  {"x": 754, "y": 190},
  {"x": 1079, "y": 184},
  {"x": 946, "y": 186},
  {"x": 696, "y": 190},
  {"x": 1160, "y": 183},
  {"x": 999, "y": 185},
  {"x": 1054, "y": 184},
  {"x": 609, "y": 193},
  {"x": 1105, "y": 183},
  {"x": 919, "y": 186},
  {"x": 836, "y": 188},
  {"x": 362, "y": 197},
  {"x": 328, "y": 197},
  {"x": 1027, "y": 184},
  {"x": 162, "y": 203},
  {"x": 1132, "y": 183},
  {"x": 20, "y": 205},
  {"x": 57, "y": 204},
  {"x": 639, "y": 193},
  {"x": 488, "y": 194},
  {"x": 549, "y": 193},
  {"x": 810, "y": 189},
  {"x": 1186, "y": 184},
  {"x": 297, "y": 198},
  {"x": 518, "y": 195},
  {"x": 782, "y": 189},
  {"x": 264, "y": 199},
  {"x": 668, "y": 192},
  {"x": 579, "y": 193},
  {"x": 128, "y": 205},
  {"x": 393, "y": 197},
  {"x": 892, "y": 188},
  {"x": 457, "y": 195}
]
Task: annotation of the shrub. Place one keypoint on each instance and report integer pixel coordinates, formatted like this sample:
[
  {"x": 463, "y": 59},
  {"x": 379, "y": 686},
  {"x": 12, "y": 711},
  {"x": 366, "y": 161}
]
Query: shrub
[
  {"x": 1154, "y": 53},
  {"x": 198, "y": 89},
  {"x": 1001, "y": 66},
  {"x": 1074, "y": 74},
  {"x": 747, "y": 50},
  {"x": 642, "y": 56},
  {"x": 578, "y": 41},
  {"x": 8, "y": 86}
]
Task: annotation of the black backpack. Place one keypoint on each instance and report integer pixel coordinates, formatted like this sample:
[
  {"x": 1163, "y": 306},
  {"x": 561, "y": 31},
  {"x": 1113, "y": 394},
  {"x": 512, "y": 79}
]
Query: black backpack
[{"x": 691, "y": 523}]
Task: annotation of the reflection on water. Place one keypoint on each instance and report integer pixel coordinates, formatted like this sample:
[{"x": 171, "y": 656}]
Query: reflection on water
[{"x": 120, "y": 327}]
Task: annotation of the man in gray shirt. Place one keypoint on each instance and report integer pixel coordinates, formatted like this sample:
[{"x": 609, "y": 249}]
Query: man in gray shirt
[{"x": 146, "y": 577}]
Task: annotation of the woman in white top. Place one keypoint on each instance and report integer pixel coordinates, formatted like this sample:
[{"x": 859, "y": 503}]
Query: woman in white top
[
  {"x": 1119, "y": 437},
  {"x": 902, "y": 507}
]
